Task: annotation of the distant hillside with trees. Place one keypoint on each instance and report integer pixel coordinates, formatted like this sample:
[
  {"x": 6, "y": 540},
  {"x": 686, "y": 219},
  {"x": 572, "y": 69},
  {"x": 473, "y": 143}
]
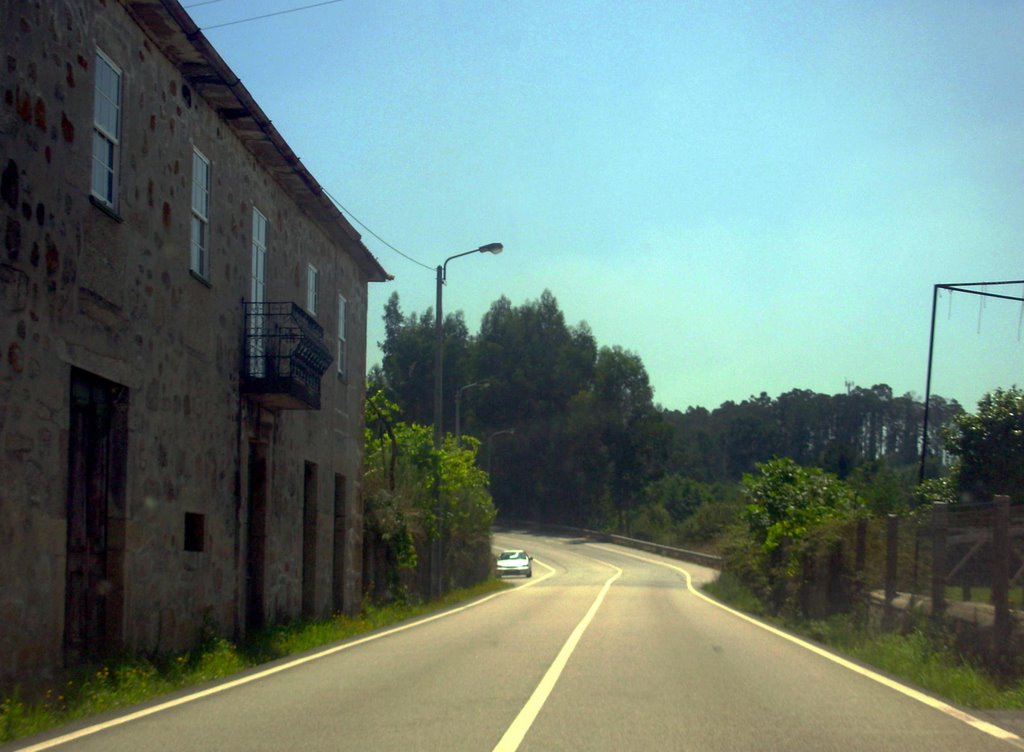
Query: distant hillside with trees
[{"x": 591, "y": 448}]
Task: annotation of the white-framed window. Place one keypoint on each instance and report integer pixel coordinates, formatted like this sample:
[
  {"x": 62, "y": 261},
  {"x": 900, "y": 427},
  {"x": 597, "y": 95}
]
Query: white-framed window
[
  {"x": 342, "y": 335},
  {"x": 200, "y": 258},
  {"x": 259, "y": 256},
  {"x": 106, "y": 132},
  {"x": 312, "y": 292},
  {"x": 257, "y": 328}
]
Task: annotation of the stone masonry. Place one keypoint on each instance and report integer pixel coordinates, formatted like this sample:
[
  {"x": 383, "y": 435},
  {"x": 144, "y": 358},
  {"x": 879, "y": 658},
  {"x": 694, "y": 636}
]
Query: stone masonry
[{"x": 208, "y": 505}]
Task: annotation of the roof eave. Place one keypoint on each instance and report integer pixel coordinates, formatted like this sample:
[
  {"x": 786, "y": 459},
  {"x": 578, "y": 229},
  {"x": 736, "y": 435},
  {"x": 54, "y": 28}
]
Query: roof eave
[{"x": 172, "y": 29}]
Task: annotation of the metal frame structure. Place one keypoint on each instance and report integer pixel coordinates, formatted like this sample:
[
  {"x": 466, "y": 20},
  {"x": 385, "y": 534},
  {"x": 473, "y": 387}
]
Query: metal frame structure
[{"x": 964, "y": 287}]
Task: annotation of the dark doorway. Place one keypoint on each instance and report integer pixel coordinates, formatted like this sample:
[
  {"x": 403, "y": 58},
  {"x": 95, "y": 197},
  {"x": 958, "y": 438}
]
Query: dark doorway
[
  {"x": 338, "y": 565},
  {"x": 97, "y": 463},
  {"x": 256, "y": 537},
  {"x": 309, "y": 514}
]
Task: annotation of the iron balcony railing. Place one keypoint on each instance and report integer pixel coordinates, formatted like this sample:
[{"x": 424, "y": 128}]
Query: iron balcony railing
[{"x": 285, "y": 356}]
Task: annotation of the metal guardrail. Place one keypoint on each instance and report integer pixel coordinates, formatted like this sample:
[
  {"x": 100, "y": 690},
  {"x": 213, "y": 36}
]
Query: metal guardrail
[{"x": 671, "y": 552}]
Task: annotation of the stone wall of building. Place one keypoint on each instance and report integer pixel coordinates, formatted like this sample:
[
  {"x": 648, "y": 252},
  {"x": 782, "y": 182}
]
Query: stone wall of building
[{"x": 109, "y": 293}]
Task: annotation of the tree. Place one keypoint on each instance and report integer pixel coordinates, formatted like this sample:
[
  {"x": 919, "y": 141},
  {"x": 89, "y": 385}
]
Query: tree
[
  {"x": 694, "y": 451},
  {"x": 794, "y": 515},
  {"x": 752, "y": 435},
  {"x": 533, "y": 361},
  {"x": 408, "y": 363},
  {"x": 585, "y": 465},
  {"x": 989, "y": 446},
  {"x": 399, "y": 489},
  {"x": 785, "y": 500},
  {"x": 589, "y": 439},
  {"x": 407, "y": 368},
  {"x": 884, "y": 490},
  {"x": 537, "y": 366},
  {"x": 633, "y": 432},
  {"x": 680, "y": 496},
  {"x": 838, "y": 433}
]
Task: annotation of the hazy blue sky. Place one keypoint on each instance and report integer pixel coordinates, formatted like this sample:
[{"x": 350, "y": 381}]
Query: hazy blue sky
[{"x": 751, "y": 196}]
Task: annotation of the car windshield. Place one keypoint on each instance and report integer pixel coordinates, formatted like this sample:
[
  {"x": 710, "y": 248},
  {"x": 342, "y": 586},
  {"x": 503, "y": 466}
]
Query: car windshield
[{"x": 512, "y": 555}]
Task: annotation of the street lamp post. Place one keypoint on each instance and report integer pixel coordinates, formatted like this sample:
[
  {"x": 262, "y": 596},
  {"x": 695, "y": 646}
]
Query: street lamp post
[
  {"x": 442, "y": 271},
  {"x": 458, "y": 402}
]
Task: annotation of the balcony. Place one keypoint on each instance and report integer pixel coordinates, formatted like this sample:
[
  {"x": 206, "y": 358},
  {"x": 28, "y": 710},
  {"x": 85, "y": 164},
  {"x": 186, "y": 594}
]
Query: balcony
[{"x": 284, "y": 358}]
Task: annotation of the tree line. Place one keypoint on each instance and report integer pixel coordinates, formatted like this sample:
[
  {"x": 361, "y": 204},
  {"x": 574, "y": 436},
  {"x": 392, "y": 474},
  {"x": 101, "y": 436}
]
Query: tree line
[
  {"x": 571, "y": 434},
  {"x": 838, "y": 433}
]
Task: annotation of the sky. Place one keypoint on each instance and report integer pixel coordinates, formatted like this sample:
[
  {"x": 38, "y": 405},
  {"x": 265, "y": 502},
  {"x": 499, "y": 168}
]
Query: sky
[{"x": 752, "y": 197}]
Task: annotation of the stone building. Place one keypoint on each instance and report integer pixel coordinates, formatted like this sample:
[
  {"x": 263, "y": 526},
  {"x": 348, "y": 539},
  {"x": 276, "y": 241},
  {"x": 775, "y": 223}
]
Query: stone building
[{"x": 182, "y": 347}]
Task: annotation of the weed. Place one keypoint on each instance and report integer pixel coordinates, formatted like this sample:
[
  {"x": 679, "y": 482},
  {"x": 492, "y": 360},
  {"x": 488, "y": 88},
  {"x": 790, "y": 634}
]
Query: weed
[{"x": 728, "y": 588}]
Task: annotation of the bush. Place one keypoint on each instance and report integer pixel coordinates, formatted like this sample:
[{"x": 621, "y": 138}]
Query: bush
[
  {"x": 402, "y": 467},
  {"x": 789, "y": 552},
  {"x": 786, "y": 500},
  {"x": 709, "y": 522}
]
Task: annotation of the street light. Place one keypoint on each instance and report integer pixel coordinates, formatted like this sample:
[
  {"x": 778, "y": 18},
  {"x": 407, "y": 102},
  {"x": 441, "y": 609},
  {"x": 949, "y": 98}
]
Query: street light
[
  {"x": 442, "y": 273},
  {"x": 458, "y": 402},
  {"x": 489, "y": 438}
]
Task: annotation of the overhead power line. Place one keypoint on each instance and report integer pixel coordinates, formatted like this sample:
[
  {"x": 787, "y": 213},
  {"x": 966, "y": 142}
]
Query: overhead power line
[
  {"x": 355, "y": 219},
  {"x": 265, "y": 15},
  {"x": 337, "y": 203}
]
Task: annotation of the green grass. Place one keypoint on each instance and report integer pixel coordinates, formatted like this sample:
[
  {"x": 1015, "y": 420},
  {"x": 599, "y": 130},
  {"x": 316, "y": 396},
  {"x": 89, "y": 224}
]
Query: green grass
[
  {"x": 729, "y": 589},
  {"x": 982, "y": 594},
  {"x": 135, "y": 679},
  {"x": 914, "y": 657}
]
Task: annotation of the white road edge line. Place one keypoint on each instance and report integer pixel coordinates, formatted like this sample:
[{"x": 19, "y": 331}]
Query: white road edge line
[
  {"x": 515, "y": 733},
  {"x": 90, "y": 730},
  {"x": 989, "y": 728}
]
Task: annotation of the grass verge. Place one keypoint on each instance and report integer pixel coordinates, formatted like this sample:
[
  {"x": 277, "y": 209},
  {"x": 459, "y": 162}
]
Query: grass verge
[
  {"x": 135, "y": 679},
  {"x": 915, "y": 656}
]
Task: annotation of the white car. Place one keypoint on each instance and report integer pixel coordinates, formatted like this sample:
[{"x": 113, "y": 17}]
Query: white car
[{"x": 515, "y": 561}]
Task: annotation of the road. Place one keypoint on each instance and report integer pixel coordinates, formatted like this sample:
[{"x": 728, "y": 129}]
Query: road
[{"x": 603, "y": 649}]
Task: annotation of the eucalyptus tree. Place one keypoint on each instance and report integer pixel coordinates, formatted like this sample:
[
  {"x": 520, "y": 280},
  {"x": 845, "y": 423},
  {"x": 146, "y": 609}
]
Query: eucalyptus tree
[
  {"x": 535, "y": 365},
  {"x": 635, "y": 435},
  {"x": 407, "y": 368}
]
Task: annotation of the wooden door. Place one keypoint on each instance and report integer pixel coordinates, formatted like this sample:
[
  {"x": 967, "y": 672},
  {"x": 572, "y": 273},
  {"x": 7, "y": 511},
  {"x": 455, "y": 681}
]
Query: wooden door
[{"x": 89, "y": 470}]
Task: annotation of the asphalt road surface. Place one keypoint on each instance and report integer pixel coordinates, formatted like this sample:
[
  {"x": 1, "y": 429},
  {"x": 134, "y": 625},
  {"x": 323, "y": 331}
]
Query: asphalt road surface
[{"x": 605, "y": 648}]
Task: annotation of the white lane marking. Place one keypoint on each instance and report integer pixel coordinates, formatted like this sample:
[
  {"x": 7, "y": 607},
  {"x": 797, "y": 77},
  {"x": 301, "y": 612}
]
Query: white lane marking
[
  {"x": 515, "y": 733},
  {"x": 89, "y": 730},
  {"x": 989, "y": 728}
]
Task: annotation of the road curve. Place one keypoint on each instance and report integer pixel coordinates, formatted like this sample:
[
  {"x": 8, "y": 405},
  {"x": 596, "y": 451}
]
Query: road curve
[{"x": 603, "y": 649}]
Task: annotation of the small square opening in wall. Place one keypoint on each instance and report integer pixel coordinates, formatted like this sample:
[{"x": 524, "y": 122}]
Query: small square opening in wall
[{"x": 195, "y": 531}]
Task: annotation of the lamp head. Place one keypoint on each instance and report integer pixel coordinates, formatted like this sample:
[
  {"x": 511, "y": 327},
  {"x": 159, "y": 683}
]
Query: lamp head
[{"x": 494, "y": 248}]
